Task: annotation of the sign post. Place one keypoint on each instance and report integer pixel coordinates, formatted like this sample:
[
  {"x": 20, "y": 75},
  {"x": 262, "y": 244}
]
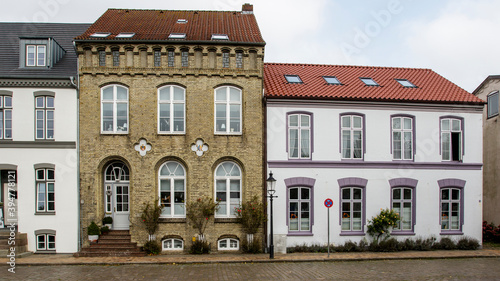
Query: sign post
[{"x": 328, "y": 205}]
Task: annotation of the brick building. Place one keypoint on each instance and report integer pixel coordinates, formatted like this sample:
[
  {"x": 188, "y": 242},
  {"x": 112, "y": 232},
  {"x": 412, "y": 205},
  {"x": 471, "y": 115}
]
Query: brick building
[{"x": 171, "y": 111}]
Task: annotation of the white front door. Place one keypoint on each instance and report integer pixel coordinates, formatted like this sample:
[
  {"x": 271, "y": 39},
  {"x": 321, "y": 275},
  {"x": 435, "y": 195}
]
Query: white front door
[{"x": 117, "y": 204}]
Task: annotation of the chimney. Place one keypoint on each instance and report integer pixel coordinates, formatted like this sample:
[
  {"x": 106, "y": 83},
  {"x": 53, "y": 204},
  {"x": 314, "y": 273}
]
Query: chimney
[{"x": 247, "y": 9}]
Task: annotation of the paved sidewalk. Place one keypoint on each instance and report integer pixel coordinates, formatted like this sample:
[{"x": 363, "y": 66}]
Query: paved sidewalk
[{"x": 68, "y": 259}]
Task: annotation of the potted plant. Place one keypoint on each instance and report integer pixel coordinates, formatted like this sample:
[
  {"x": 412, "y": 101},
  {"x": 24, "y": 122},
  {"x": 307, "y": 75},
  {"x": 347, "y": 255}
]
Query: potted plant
[
  {"x": 104, "y": 229},
  {"x": 107, "y": 221},
  {"x": 93, "y": 232}
]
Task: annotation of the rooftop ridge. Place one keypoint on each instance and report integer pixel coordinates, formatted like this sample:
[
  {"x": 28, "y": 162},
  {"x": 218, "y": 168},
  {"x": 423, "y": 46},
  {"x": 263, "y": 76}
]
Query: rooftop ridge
[{"x": 347, "y": 65}]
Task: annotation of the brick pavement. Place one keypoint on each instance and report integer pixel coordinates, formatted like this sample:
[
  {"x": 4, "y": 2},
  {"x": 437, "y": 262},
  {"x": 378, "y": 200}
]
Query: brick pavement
[{"x": 68, "y": 259}]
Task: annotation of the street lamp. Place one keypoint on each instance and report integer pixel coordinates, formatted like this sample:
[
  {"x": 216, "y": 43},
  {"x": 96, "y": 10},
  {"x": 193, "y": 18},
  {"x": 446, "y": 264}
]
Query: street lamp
[{"x": 271, "y": 189}]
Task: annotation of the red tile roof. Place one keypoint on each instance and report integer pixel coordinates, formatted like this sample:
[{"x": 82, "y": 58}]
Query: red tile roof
[
  {"x": 159, "y": 24},
  {"x": 431, "y": 87}
]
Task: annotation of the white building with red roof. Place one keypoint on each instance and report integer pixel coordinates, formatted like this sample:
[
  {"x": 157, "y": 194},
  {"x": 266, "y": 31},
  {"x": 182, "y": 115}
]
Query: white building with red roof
[{"x": 370, "y": 138}]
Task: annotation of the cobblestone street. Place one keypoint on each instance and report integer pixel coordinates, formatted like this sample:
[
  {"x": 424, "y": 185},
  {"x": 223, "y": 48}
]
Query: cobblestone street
[{"x": 434, "y": 269}]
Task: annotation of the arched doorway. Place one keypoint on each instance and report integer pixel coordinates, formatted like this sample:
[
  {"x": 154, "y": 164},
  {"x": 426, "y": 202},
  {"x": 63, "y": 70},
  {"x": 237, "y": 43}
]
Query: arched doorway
[{"x": 116, "y": 194}]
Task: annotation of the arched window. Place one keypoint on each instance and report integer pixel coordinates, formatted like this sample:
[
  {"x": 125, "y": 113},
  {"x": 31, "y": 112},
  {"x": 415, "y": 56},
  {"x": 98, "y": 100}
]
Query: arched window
[
  {"x": 228, "y": 189},
  {"x": 114, "y": 109},
  {"x": 116, "y": 171},
  {"x": 227, "y": 110},
  {"x": 172, "y": 189},
  {"x": 171, "y": 109},
  {"x": 228, "y": 244},
  {"x": 172, "y": 244}
]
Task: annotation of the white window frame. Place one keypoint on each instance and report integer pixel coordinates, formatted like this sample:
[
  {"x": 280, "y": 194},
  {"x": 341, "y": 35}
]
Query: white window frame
[
  {"x": 351, "y": 202},
  {"x": 172, "y": 178},
  {"x": 228, "y": 102},
  {"x": 46, "y": 243},
  {"x": 450, "y": 201},
  {"x": 492, "y": 110},
  {"x": 42, "y": 184},
  {"x": 114, "y": 102},
  {"x": 226, "y": 179},
  {"x": 5, "y": 123},
  {"x": 229, "y": 244},
  {"x": 42, "y": 124},
  {"x": 448, "y": 133},
  {"x": 171, "y": 102},
  {"x": 299, "y": 210},
  {"x": 351, "y": 129},
  {"x": 300, "y": 129},
  {"x": 172, "y": 244},
  {"x": 402, "y": 201},
  {"x": 403, "y": 131},
  {"x": 37, "y": 50}
]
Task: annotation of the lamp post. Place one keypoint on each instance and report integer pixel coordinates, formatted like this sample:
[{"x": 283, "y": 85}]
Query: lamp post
[{"x": 271, "y": 189}]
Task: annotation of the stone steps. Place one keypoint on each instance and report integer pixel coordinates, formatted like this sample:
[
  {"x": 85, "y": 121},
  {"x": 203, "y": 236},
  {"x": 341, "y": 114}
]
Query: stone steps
[
  {"x": 116, "y": 243},
  {"x": 21, "y": 242}
]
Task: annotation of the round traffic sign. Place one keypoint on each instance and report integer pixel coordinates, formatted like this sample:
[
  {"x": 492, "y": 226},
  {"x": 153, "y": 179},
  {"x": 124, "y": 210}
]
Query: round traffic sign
[{"x": 328, "y": 203}]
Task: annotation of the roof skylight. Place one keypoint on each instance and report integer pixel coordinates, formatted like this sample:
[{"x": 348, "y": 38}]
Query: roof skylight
[
  {"x": 369, "y": 81},
  {"x": 220, "y": 37},
  {"x": 293, "y": 79},
  {"x": 100, "y": 34},
  {"x": 182, "y": 21},
  {"x": 125, "y": 35},
  {"x": 177, "y": 36},
  {"x": 405, "y": 83},
  {"x": 332, "y": 80}
]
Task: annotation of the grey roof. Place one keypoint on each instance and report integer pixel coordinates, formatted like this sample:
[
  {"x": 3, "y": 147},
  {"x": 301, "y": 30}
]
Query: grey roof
[{"x": 63, "y": 33}]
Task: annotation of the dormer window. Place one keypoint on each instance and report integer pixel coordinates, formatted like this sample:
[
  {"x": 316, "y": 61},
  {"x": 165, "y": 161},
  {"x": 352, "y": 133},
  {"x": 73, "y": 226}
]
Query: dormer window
[
  {"x": 36, "y": 55},
  {"x": 220, "y": 37}
]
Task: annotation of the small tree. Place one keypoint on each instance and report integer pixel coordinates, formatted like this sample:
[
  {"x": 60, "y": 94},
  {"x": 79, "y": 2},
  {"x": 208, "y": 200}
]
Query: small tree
[
  {"x": 251, "y": 215},
  {"x": 150, "y": 217},
  {"x": 200, "y": 211},
  {"x": 379, "y": 226}
]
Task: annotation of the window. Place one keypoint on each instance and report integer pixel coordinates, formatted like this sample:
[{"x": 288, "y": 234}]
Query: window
[
  {"x": 402, "y": 138},
  {"x": 369, "y": 82},
  {"x": 184, "y": 58},
  {"x": 299, "y": 209},
  {"x": 227, "y": 110},
  {"x": 228, "y": 189},
  {"x": 220, "y": 37},
  {"x": 172, "y": 244},
  {"x": 451, "y": 201},
  {"x": 172, "y": 183},
  {"x": 493, "y": 104},
  {"x": 402, "y": 201},
  {"x": 100, "y": 34},
  {"x": 228, "y": 244},
  {"x": 225, "y": 59},
  {"x": 46, "y": 242},
  {"x": 352, "y": 143},
  {"x": 405, "y": 83},
  {"x": 293, "y": 79},
  {"x": 102, "y": 58},
  {"x": 5, "y": 117},
  {"x": 177, "y": 36},
  {"x": 239, "y": 59},
  {"x": 171, "y": 58},
  {"x": 171, "y": 110},
  {"x": 299, "y": 136},
  {"x": 45, "y": 194},
  {"x": 182, "y": 21},
  {"x": 44, "y": 112},
  {"x": 157, "y": 58},
  {"x": 36, "y": 55},
  {"x": 352, "y": 205},
  {"x": 332, "y": 80},
  {"x": 116, "y": 58},
  {"x": 114, "y": 109},
  {"x": 125, "y": 35},
  {"x": 452, "y": 138}
]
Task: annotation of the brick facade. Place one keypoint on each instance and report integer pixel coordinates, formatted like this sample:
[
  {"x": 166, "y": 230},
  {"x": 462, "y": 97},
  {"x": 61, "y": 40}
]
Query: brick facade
[{"x": 137, "y": 72}]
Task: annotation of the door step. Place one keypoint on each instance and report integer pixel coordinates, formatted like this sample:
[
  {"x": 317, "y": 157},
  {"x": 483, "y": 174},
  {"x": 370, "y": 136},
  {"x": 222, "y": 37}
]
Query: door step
[{"x": 116, "y": 243}]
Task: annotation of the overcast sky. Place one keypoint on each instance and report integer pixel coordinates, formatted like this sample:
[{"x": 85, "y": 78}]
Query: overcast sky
[{"x": 458, "y": 39}]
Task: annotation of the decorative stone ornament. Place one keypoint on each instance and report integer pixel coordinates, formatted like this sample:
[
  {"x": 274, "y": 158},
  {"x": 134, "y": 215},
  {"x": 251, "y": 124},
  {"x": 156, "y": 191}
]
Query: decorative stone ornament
[
  {"x": 143, "y": 147},
  {"x": 199, "y": 147}
]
